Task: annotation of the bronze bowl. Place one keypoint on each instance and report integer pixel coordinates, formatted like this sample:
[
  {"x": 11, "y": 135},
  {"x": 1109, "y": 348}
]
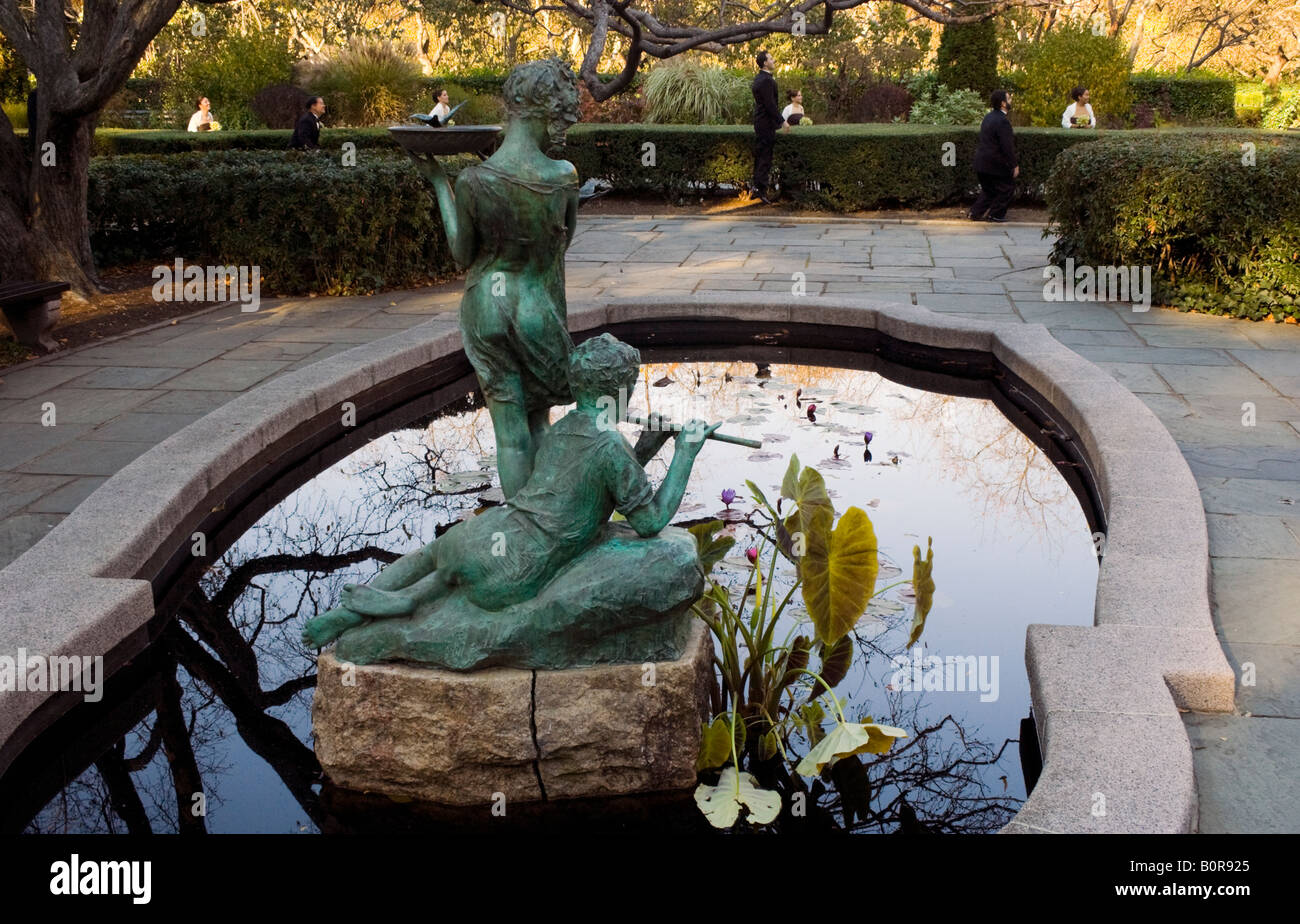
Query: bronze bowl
[{"x": 456, "y": 139}]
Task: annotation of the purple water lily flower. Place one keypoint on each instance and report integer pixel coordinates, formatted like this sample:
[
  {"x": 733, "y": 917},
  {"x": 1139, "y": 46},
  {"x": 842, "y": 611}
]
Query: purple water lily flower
[
  {"x": 728, "y": 495},
  {"x": 867, "y": 436}
]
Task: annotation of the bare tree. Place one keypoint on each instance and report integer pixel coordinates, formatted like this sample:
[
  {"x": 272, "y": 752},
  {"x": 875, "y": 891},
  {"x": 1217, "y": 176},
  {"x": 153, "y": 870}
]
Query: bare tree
[
  {"x": 81, "y": 54},
  {"x": 645, "y": 34}
]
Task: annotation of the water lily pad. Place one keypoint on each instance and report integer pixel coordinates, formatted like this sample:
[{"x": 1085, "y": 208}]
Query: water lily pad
[
  {"x": 775, "y": 437},
  {"x": 764, "y": 456},
  {"x": 834, "y": 463}
]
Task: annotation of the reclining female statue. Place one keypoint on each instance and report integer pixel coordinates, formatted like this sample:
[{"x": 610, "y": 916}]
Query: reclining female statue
[{"x": 545, "y": 580}]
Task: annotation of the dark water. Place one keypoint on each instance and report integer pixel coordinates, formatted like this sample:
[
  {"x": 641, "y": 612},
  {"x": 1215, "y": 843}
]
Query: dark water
[{"x": 221, "y": 703}]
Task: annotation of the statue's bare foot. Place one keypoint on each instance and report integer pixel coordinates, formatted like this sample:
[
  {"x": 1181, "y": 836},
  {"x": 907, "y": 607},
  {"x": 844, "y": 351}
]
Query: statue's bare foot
[
  {"x": 371, "y": 602},
  {"x": 326, "y": 627}
]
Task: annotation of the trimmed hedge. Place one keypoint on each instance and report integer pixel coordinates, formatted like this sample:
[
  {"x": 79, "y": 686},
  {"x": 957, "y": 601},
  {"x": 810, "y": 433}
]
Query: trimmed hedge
[
  {"x": 310, "y": 223},
  {"x": 112, "y": 142},
  {"x": 1220, "y": 234},
  {"x": 842, "y": 168},
  {"x": 1202, "y": 98}
]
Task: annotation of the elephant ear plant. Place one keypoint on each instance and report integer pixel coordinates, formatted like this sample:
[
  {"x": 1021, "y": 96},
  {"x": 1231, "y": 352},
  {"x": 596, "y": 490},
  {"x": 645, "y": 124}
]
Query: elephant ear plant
[{"x": 768, "y": 693}]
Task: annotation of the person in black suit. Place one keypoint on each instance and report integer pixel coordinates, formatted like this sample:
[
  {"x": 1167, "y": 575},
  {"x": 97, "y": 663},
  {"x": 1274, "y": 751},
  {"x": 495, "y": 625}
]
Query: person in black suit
[
  {"x": 995, "y": 161},
  {"x": 306, "y": 133},
  {"x": 767, "y": 119}
]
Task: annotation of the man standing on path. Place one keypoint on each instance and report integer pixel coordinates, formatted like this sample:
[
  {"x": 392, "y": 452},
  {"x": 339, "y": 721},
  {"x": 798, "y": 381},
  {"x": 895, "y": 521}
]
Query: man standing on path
[
  {"x": 995, "y": 161},
  {"x": 306, "y": 133},
  {"x": 767, "y": 119}
]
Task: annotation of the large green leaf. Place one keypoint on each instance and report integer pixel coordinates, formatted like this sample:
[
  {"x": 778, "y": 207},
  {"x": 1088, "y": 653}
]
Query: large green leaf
[
  {"x": 796, "y": 660},
  {"x": 923, "y": 587},
  {"x": 715, "y": 744},
  {"x": 835, "y": 662},
  {"x": 790, "y": 483},
  {"x": 839, "y": 572},
  {"x": 708, "y": 546},
  {"x": 847, "y": 739},
  {"x": 721, "y": 804}
]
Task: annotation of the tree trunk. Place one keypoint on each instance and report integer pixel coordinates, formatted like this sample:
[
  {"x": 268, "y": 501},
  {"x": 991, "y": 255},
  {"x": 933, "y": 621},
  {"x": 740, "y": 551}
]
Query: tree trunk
[
  {"x": 1274, "y": 75},
  {"x": 52, "y": 235}
]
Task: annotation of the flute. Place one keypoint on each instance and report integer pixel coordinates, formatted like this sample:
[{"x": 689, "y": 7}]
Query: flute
[{"x": 720, "y": 437}]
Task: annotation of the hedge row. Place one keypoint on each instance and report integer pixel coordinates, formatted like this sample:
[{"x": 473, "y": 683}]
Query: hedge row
[
  {"x": 1186, "y": 97},
  {"x": 311, "y": 223},
  {"x": 834, "y": 168},
  {"x": 112, "y": 142},
  {"x": 841, "y": 168},
  {"x": 1217, "y": 220}
]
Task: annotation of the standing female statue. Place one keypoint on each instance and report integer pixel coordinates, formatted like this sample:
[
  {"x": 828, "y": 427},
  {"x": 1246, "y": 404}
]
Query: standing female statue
[{"x": 510, "y": 220}]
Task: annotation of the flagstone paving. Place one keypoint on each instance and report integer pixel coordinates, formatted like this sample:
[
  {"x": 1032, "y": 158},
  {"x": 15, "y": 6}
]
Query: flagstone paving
[{"x": 1228, "y": 390}]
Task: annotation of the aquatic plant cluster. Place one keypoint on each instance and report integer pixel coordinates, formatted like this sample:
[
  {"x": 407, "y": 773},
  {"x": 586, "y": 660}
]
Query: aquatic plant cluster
[{"x": 768, "y": 697}]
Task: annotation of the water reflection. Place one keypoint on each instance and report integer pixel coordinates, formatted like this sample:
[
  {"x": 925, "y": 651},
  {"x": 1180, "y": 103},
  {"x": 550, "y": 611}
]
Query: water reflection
[{"x": 221, "y": 720}]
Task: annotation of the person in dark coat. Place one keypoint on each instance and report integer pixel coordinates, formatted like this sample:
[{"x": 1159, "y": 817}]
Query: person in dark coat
[
  {"x": 767, "y": 119},
  {"x": 996, "y": 164},
  {"x": 306, "y": 133}
]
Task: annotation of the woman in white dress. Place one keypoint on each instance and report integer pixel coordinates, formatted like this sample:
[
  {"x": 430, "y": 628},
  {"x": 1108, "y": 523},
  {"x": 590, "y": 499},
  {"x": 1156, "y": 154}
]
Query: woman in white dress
[
  {"x": 795, "y": 109},
  {"x": 442, "y": 108},
  {"x": 203, "y": 117},
  {"x": 1079, "y": 113}
]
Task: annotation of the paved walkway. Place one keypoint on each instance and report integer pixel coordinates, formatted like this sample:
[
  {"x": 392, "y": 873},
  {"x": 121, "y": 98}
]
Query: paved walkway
[{"x": 114, "y": 401}]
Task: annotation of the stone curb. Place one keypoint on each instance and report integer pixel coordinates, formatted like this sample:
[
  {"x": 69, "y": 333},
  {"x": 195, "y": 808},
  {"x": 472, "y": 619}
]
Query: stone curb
[{"x": 1106, "y": 697}]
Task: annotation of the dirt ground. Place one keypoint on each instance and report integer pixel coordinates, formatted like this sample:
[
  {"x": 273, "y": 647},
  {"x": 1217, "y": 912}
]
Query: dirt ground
[{"x": 127, "y": 304}]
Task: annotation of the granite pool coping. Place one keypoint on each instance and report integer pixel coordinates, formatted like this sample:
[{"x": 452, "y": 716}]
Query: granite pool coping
[{"x": 1107, "y": 698}]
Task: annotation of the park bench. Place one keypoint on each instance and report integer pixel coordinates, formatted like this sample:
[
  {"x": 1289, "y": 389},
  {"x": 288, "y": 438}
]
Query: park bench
[{"x": 32, "y": 308}]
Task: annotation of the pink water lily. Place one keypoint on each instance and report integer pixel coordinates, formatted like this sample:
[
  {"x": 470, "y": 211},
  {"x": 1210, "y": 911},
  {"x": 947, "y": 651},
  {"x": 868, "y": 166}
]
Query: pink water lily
[{"x": 752, "y": 554}]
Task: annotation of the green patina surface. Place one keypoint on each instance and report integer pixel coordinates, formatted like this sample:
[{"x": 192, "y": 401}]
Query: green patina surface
[{"x": 544, "y": 580}]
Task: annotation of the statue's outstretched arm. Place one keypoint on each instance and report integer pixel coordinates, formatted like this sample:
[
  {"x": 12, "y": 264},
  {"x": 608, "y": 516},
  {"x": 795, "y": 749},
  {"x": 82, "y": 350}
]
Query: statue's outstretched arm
[
  {"x": 456, "y": 222},
  {"x": 650, "y": 518}
]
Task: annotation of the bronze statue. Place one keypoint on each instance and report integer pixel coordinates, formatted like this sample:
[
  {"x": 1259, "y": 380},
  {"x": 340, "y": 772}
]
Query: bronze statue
[
  {"x": 546, "y": 581},
  {"x": 510, "y": 220}
]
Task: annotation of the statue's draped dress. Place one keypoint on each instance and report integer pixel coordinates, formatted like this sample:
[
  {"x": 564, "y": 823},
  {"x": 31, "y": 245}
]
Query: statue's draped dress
[{"x": 512, "y": 315}]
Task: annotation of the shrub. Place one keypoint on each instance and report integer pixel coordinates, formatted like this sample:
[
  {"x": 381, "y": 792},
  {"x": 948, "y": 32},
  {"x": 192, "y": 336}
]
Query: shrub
[
  {"x": 883, "y": 102},
  {"x": 684, "y": 92},
  {"x": 1221, "y": 236},
  {"x": 114, "y": 142},
  {"x": 842, "y": 168},
  {"x": 628, "y": 106},
  {"x": 365, "y": 82},
  {"x": 968, "y": 57},
  {"x": 226, "y": 67},
  {"x": 936, "y": 104},
  {"x": 1070, "y": 56},
  {"x": 1188, "y": 99},
  {"x": 14, "y": 82},
  {"x": 1284, "y": 112},
  {"x": 17, "y": 115},
  {"x": 376, "y": 227},
  {"x": 1249, "y": 98},
  {"x": 280, "y": 105}
]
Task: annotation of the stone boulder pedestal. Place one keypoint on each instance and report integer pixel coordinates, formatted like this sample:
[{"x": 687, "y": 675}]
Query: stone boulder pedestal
[{"x": 462, "y": 738}]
